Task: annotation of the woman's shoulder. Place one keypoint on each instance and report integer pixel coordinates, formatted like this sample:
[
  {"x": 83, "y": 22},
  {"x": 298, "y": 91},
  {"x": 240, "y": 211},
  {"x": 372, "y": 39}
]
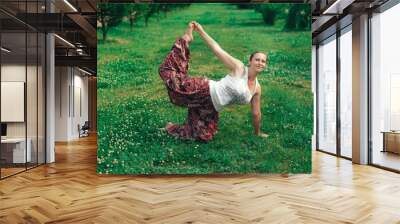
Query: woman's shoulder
[
  {"x": 240, "y": 70},
  {"x": 258, "y": 87}
]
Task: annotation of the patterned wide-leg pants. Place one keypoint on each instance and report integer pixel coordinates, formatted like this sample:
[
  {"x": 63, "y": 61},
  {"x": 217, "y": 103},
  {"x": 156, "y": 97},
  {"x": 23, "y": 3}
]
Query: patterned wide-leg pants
[{"x": 191, "y": 92}]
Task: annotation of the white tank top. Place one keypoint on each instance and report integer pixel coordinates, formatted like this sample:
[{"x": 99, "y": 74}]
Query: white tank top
[{"x": 231, "y": 90}]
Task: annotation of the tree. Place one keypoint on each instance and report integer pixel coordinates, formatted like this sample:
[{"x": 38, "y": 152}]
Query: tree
[
  {"x": 133, "y": 14},
  {"x": 244, "y": 5},
  {"x": 299, "y": 17},
  {"x": 165, "y": 8},
  {"x": 135, "y": 11},
  {"x": 149, "y": 11},
  {"x": 269, "y": 12},
  {"x": 146, "y": 11},
  {"x": 109, "y": 15}
]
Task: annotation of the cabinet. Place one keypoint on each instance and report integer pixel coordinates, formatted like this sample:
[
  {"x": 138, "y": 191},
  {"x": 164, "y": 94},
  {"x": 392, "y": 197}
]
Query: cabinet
[
  {"x": 391, "y": 141},
  {"x": 13, "y": 150}
]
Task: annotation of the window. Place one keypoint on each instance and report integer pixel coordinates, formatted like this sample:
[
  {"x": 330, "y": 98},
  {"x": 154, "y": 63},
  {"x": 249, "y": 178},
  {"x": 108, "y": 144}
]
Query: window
[
  {"x": 385, "y": 88},
  {"x": 327, "y": 95},
  {"x": 346, "y": 92},
  {"x": 22, "y": 80}
]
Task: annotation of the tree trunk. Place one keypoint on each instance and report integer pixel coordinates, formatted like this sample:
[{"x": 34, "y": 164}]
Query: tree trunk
[
  {"x": 104, "y": 34},
  {"x": 103, "y": 28},
  {"x": 132, "y": 18}
]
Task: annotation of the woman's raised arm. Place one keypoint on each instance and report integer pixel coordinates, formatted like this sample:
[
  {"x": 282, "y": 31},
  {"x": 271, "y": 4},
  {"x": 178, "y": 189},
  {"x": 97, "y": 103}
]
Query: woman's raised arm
[{"x": 233, "y": 64}]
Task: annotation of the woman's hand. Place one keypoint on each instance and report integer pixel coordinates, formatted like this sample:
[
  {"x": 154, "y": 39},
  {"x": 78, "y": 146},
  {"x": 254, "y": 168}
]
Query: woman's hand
[{"x": 197, "y": 27}]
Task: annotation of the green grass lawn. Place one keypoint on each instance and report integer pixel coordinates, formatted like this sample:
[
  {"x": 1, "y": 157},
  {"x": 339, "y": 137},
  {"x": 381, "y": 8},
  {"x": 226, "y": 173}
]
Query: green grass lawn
[{"x": 133, "y": 102}]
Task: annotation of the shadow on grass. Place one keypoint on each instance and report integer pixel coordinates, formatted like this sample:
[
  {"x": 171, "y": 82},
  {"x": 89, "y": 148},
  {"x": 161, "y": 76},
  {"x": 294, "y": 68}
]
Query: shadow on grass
[
  {"x": 254, "y": 23},
  {"x": 111, "y": 41}
]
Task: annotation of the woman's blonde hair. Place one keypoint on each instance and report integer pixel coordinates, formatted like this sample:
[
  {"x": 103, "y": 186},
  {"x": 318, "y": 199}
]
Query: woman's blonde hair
[{"x": 265, "y": 53}]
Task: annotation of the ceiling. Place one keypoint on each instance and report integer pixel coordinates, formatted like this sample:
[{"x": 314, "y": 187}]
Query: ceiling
[
  {"x": 74, "y": 22},
  {"x": 330, "y": 15}
]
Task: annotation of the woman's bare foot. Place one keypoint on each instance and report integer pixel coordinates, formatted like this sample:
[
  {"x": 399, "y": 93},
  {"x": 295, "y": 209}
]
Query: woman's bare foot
[
  {"x": 264, "y": 135},
  {"x": 188, "y": 36},
  {"x": 169, "y": 124}
]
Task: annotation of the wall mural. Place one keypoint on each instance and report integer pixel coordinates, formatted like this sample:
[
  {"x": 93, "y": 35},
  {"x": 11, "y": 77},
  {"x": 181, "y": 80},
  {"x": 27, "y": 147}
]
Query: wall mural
[{"x": 204, "y": 88}]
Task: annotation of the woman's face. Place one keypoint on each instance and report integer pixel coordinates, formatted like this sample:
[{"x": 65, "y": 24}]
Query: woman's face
[{"x": 258, "y": 62}]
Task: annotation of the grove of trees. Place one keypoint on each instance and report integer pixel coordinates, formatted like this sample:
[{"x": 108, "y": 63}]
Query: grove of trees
[
  {"x": 296, "y": 16},
  {"x": 111, "y": 15}
]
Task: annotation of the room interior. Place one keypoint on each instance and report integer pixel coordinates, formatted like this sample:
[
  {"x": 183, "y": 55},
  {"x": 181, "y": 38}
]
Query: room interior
[
  {"x": 29, "y": 59},
  {"x": 48, "y": 77},
  {"x": 335, "y": 77}
]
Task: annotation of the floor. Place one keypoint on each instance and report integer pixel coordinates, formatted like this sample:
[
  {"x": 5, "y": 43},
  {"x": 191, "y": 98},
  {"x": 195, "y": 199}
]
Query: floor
[
  {"x": 387, "y": 159},
  {"x": 70, "y": 191},
  {"x": 10, "y": 170}
]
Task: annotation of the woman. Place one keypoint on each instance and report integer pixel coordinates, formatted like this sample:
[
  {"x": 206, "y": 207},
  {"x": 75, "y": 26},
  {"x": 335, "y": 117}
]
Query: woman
[{"x": 206, "y": 98}]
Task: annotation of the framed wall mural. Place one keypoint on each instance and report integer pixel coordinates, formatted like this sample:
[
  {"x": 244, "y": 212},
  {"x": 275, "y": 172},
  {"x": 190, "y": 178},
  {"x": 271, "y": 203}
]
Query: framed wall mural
[{"x": 204, "y": 88}]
